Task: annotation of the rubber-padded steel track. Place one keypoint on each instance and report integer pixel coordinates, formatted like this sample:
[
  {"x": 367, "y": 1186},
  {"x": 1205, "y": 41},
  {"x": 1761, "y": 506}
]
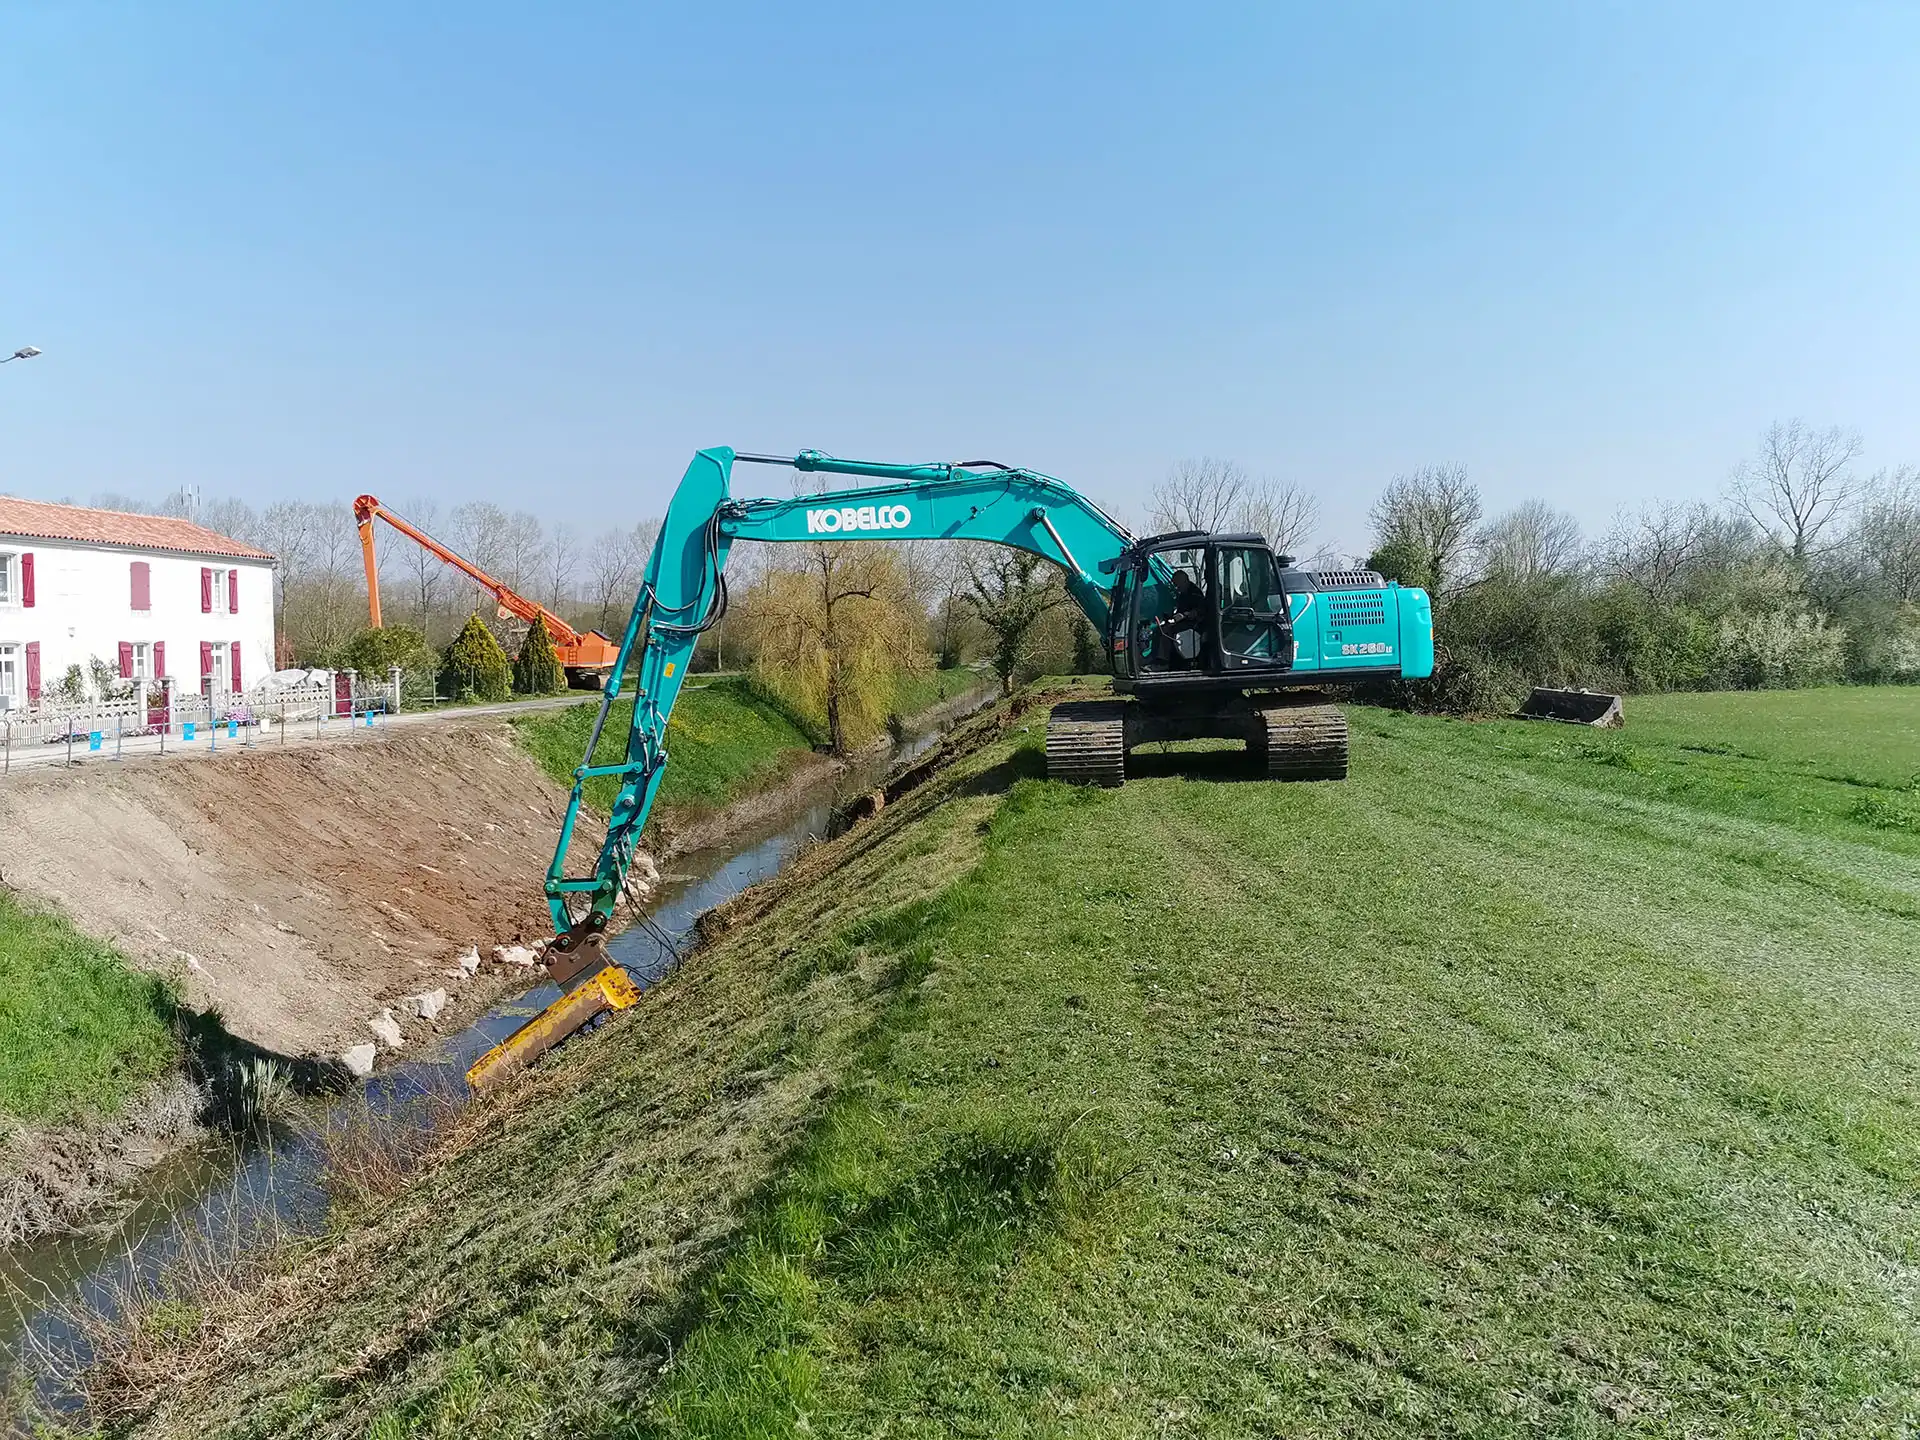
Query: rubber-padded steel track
[
  {"x": 1301, "y": 742},
  {"x": 1087, "y": 742}
]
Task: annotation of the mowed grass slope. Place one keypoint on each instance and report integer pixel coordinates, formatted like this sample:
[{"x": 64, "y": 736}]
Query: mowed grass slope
[
  {"x": 724, "y": 739},
  {"x": 80, "y": 1028},
  {"x": 1532, "y": 1081}
]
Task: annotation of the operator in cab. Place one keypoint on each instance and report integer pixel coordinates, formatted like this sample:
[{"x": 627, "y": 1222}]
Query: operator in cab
[{"x": 1189, "y": 613}]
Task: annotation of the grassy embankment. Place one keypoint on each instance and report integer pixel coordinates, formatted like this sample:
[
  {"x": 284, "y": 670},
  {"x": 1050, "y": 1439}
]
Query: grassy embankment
[
  {"x": 1533, "y": 1081},
  {"x": 726, "y": 739},
  {"x": 80, "y": 1029}
]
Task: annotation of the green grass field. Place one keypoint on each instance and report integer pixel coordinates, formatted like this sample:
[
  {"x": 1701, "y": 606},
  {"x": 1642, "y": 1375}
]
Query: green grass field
[
  {"x": 80, "y": 1029},
  {"x": 1533, "y": 1081}
]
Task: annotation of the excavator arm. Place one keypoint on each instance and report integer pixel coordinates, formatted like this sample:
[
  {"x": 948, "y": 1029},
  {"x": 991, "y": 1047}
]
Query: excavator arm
[{"x": 366, "y": 510}]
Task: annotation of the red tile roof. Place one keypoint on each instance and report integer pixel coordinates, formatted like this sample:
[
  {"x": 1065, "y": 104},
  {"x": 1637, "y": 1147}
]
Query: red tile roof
[{"x": 39, "y": 520}]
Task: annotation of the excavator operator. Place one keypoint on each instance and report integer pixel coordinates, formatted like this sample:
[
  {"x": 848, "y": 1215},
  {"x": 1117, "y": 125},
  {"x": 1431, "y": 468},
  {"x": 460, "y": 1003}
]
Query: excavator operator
[{"x": 1189, "y": 613}]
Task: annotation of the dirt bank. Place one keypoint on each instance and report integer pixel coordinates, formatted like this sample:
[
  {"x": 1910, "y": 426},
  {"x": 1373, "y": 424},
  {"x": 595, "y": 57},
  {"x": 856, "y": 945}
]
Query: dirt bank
[{"x": 310, "y": 887}]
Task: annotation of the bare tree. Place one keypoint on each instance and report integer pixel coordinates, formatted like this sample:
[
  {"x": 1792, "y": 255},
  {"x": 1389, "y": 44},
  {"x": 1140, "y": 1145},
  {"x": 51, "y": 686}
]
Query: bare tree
[
  {"x": 1799, "y": 483},
  {"x": 1200, "y": 495},
  {"x": 1283, "y": 512},
  {"x": 1209, "y": 494},
  {"x": 563, "y": 557},
  {"x": 523, "y": 547},
  {"x": 1533, "y": 541},
  {"x": 1884, "y": 544},
  {"x": 1654, "y": 547},
  {"x": 230, "y": 517},
  {"x": 1424, "y": 526},
  {"x": 478, "y": 530},
  {"x": 423, "y": 569},
  {"x": 615, "y": 563}
]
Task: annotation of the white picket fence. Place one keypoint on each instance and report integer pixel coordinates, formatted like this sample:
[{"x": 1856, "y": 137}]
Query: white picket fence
[{"x": 263, "y": 715}]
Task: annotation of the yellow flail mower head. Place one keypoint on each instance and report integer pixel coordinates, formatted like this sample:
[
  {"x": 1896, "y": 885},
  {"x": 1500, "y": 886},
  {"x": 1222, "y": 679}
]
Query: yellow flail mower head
[{"x": 607, "y": 990}]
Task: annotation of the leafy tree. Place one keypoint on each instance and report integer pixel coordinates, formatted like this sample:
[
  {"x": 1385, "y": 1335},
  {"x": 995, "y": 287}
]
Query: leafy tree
[
  {"x": 1089, "y": 655},
  {"x": 475, "y": 666},
  {"x": 536, "y": 669},
  {"x": 833, "y": 630},
  {"x": 1011, "y": 591}
]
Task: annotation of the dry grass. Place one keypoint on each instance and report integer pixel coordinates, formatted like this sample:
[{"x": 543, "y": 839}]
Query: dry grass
[
  {"x": 369, "y": 1156},
  {"x": 200, "y": 1311},
  {"x": 211, "y": 1306}
]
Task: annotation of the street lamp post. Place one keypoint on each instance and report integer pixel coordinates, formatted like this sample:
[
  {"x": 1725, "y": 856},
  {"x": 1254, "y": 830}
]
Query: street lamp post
[{"x": 25, "y": 352}]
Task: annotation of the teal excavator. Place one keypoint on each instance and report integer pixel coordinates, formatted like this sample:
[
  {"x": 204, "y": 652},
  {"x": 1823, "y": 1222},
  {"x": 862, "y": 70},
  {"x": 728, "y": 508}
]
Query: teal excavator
[{"x": 1211, "y": 636}]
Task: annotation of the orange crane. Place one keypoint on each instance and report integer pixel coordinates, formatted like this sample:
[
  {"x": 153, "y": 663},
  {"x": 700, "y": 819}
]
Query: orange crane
[{"x": 587, "y": 658}]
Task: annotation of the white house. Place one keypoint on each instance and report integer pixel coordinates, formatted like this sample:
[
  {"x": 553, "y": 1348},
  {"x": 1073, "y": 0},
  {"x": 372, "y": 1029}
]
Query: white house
[{"x": 146, "y": 595}]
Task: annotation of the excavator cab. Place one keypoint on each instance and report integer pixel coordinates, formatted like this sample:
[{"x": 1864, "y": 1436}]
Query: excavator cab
[{"x": 1192, "y": 610}]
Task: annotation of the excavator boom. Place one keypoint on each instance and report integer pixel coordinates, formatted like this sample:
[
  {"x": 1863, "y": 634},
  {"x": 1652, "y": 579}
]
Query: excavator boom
[{"x": 590, "y": 654}]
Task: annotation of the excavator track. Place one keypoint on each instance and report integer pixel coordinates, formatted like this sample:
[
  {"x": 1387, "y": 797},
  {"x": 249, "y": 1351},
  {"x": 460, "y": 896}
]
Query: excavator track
[
  {"x": 1087, "y": 742},
  {"x": 1302, "y": 742}
]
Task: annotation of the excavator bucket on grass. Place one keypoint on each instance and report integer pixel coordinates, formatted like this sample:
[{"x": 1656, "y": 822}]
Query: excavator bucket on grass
[
  {"x": 1573, "y": 707},
  {"x": 608, "y": 990}
]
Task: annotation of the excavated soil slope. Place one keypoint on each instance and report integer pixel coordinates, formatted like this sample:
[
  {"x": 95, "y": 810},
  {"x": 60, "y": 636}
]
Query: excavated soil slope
[{"x": 312, "y": 886}]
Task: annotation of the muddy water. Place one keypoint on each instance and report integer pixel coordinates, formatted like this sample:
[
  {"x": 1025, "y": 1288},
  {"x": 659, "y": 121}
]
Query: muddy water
[{"x": 226, "y": 1199}]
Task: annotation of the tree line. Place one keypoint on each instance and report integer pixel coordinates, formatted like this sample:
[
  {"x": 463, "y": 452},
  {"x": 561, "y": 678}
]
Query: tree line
[{"x": 1804, "y": 571}]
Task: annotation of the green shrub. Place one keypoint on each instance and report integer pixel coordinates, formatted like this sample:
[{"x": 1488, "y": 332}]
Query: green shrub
[
  {"x": 475, "y": 666},
  {"x": 1780, "y": 648},
  {"x": 536, "y": 669},
  {"x": 375, "y": 652}
]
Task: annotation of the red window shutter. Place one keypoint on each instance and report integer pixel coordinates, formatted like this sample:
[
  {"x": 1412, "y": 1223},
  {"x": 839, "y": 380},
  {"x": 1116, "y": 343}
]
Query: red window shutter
[
  {"x": 234, "y": 651},
  {"x": 159, "y": 658},
  {"x": 233, "y": 594},
  {"x": 206, "y": 589},
  {"x": 142, "y": 575},
  {"x": 206, "y": 658},
  {"x": 26, "y": 580},
  {"x": 126, "y": 659},
  {"x": 33, "y": 672}
]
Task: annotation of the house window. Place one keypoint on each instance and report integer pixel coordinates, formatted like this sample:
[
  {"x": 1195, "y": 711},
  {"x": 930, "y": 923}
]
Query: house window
[
  {"x": 11, "y": 697},
  {"x": 9, "y": 578},
  {"x": 216, "y": 668},
  {"x": 142, "y": 660}
]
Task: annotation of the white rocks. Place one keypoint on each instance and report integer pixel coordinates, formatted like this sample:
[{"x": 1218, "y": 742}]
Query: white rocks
[
  {"x": 469, "y": 961},
  {"x": 517, "y": 955},
  {"x": 283, "y": 927},
  {"x": 359, "y": 1060},
  {"x": 387, "y": 1029},
  {"x": 429, "y": 1005}
]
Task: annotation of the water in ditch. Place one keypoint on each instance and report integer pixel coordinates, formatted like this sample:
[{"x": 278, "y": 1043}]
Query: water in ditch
[{"x": 225, "y": 1198}]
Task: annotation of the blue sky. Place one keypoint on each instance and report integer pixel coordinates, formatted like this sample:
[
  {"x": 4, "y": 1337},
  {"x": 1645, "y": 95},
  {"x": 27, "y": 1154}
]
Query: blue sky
[{"x": 539, "y": 254}]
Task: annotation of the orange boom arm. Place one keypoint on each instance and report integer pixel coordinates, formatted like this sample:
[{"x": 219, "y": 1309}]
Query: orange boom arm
[{"x": 592, "y": 652}]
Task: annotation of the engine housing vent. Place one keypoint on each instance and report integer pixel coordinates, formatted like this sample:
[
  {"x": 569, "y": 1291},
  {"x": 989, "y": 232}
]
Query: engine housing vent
[{"x": 1349, "y": 579}]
